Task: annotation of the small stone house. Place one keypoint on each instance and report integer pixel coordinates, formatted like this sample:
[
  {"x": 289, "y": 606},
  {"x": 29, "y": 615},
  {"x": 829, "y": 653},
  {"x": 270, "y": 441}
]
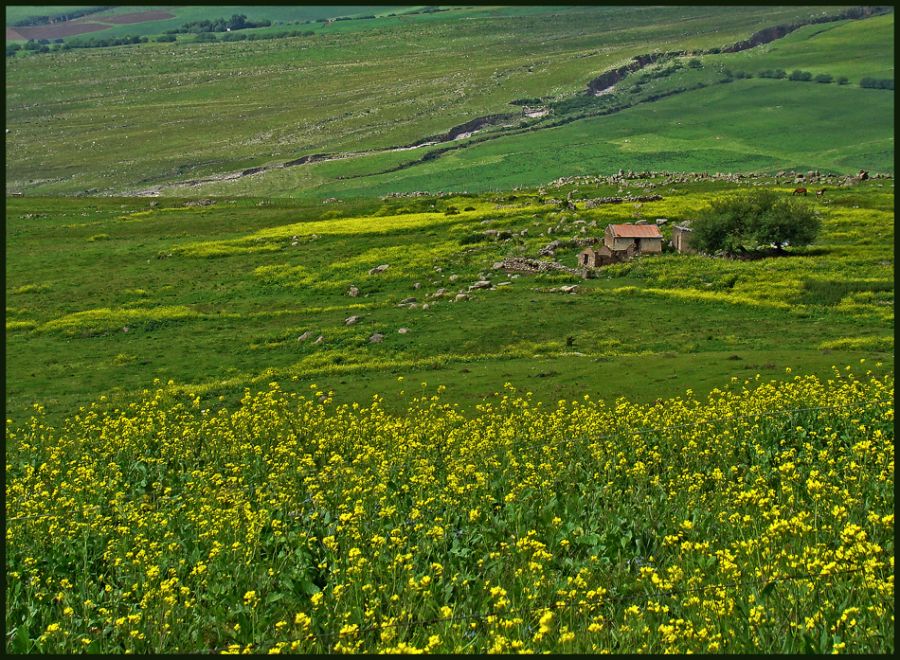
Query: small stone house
[
  {"x": 595, "y": 257},
  {"x": 681, "y": 239},
  {"x": 538, "y": 111},
  {"x": 640, "y": 238}
]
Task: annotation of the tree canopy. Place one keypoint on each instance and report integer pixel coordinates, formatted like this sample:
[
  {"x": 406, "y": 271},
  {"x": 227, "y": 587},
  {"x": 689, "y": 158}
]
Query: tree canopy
[{"x": 746, "y": 222}]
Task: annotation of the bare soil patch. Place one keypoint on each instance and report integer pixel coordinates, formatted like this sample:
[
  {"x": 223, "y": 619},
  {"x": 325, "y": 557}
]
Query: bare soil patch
[
  {"x": 137, "y": 17},
  {"x": 55, "y": 31}
]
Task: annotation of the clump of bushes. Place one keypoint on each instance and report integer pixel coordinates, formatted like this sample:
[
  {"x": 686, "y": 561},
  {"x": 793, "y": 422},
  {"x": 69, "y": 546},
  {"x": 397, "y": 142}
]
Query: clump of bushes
[
  {"x": 236, "y": 22},
  {"x": 876, "y": 83}
]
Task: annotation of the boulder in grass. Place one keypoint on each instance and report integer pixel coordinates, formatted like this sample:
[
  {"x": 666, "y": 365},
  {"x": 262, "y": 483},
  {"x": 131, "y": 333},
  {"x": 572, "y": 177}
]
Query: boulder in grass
[
  {"x": 353, "y": 292},
  {"x": 350, "y": 320},
  {"x": 378, "y": 269},
  {"x": 376, "y": 338},
  {"x": 480, "y": 284}
]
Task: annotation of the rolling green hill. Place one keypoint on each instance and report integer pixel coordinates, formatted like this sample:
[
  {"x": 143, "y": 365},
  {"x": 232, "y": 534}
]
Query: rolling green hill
[
  {"x": 122, "y": 119},
  {"x": 302, "y": 356},
  {"x": 104, "y": 294},
  {"x": 752, "y": 124}
]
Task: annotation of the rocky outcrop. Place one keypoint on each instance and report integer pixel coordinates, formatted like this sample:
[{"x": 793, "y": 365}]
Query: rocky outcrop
[
  {"x": 607, "y": 79},
  {"x": 778, "y": 31},
  {"x": 526, "y": 265},
  {"x": 463, "y": 130}
]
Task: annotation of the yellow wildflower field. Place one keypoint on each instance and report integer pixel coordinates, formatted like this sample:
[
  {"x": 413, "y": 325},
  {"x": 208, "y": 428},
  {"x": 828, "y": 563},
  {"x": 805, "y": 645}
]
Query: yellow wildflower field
[{"x": 760, "y": 518}]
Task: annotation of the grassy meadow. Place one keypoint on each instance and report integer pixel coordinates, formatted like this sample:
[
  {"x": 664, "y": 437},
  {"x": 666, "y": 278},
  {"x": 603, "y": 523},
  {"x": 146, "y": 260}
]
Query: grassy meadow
[
  {"x": 754, "y": 124},
  {"x": 104, "y": 294},
  {"x": 310, "y": 410},
  {"x": 91, "y": 120}
]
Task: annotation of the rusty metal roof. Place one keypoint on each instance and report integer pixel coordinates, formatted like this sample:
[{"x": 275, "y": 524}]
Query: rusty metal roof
[{"x": 635, "y": 231}]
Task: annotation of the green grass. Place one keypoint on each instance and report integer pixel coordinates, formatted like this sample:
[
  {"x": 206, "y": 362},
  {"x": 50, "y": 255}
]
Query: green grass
[
  {"x": 216, "y": 297},
  {"x": 127, "y": 118},
  {"x": 279, "y": 15},
  {"x": 826, "y": 48},
  {"x": 15, "y": 13},
  {"x": 747, "y": 125}
]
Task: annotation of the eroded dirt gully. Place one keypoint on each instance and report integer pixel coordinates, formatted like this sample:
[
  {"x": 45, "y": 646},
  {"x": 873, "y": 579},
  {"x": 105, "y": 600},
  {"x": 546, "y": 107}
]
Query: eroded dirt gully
[{"x": 597, "y": 86}]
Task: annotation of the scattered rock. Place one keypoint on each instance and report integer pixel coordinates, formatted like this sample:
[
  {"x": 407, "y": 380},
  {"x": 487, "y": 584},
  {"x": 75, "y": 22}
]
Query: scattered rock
[
  {"x": 439, "y": 293},
  {"x": 453, "y": 278},
  {"x": 426, "y": 306},
  {"x": 497, "y": 265},
  {"x": 353, "y": 292},
  {"x": 306, "y": 335},
  {"x": 406, "y": 301},
  {"x": 461, "y": 296},
  {"x": 350, "y": 320},
  {"x": 125, "y": 329},
  {"x": 403, "y": 331},
  {"x": 525, "y": 265},
  {"x": 569, "y": 289},
  {"x": 319, "y": 339},
  {"x": 417, "y": 286},
  {"x": 480, "y": 284},
  {"x": 376, "y": 338},
  {"x": 378, "y": 269}
]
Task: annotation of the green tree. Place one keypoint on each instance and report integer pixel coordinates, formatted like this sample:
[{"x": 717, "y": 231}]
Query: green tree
[{"x": 743, "y": 223}]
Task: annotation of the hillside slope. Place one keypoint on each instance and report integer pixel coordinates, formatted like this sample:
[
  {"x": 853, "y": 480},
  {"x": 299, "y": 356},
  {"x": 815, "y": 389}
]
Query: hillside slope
[{"x": 121, "y": 119}]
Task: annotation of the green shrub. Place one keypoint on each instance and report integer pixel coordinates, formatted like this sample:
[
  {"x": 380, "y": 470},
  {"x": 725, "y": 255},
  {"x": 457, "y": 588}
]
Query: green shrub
[{"x": 762, "y": 217}]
